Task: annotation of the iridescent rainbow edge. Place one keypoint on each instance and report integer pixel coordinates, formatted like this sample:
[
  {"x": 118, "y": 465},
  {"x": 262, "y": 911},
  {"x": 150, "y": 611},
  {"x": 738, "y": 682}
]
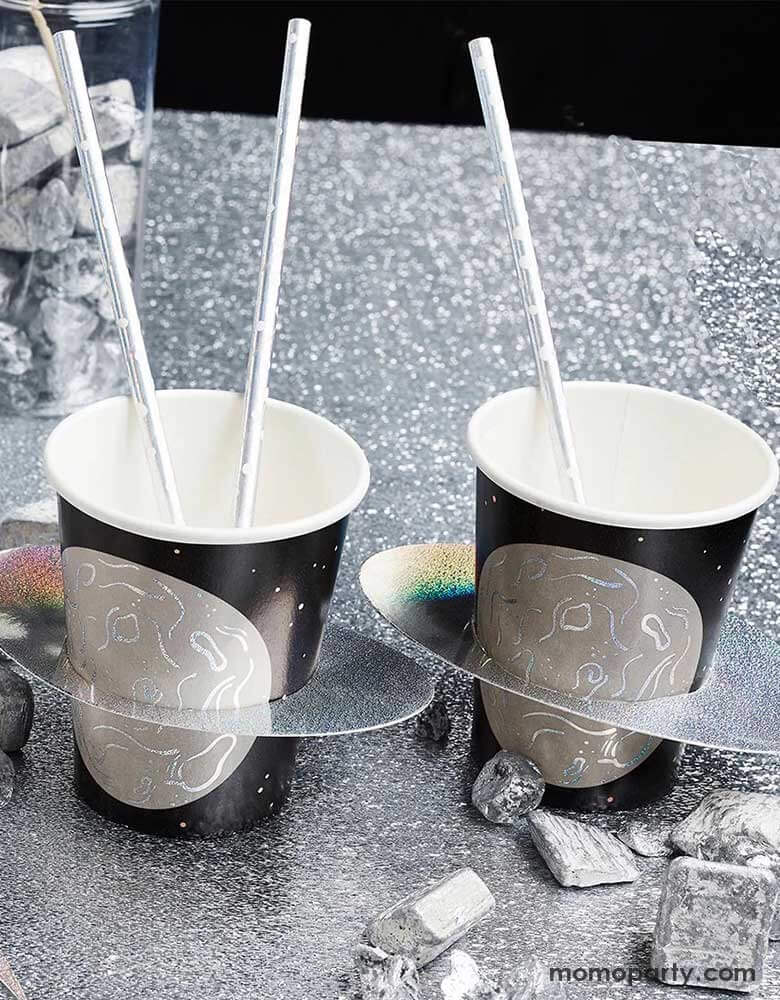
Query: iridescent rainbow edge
[{"x": 31, "y": 576}]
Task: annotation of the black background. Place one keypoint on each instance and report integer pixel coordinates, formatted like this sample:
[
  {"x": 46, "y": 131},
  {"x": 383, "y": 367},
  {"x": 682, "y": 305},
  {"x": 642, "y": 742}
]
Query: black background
[{"x": 690, "y": 70}]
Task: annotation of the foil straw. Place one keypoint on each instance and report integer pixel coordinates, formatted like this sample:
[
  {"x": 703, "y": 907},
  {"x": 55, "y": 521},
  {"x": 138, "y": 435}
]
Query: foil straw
[
  {"x": 125, "y": 311},
  {"x": 526, "y": 265},
  {"x": 282, "y": 170}
]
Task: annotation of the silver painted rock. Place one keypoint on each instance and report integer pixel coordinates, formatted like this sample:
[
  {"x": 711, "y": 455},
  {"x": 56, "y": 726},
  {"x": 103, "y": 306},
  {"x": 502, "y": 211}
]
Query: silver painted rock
[
  {"x": 530, "y": 980},
  {"x": 137, "y": 145},
  {"x": 16, "y": 710},
  {"x": 386, "y": 977},
  {"x": 434, "y": 722},
  {"x": 33, "y": 61},
  {"x": 15, "y": 213},
  {"x": 67, "y": 324},
  {"x": 578, "y": 854},
  {"x": 123, "y": 181},
  {"x": 52, "y": 217},
  {"x": 9, "y": 275},
  {"x": 29, "y": 159},
  {"x": 116, "y": 117},
  {"x": 507, "y": 788},
  {"x": 713, "y": 925},
  {"x": 429, "y": 921},
  {"x": 74, "y": 379},
  {"x": 647, "y": 839},
  {"x": 100, "y": 300},
  {"x": 32, "y": 524},
  {"x": 465, "y": 981},
  {"x": 18, "y": 379},
  {"x": 27, "y": 107},
  {"x": 6, "y": 779},
  {"x": 733, "y": 827},
  {"x": 74, "y": 272}
]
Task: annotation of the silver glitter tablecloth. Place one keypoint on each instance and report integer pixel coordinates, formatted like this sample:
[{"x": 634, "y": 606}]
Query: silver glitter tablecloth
[{"x": 398, "y": 318}]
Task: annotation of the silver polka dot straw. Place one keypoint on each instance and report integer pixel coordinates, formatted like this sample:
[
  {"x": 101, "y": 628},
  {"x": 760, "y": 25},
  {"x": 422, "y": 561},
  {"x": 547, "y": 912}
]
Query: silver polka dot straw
[
  {"x": 280, "y": 190},
  {"x": 125, "y": 312},
  {"x": 526, "y": 266}
]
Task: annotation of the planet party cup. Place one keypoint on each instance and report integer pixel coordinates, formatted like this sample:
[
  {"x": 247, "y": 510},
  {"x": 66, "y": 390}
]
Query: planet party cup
[
  {"x": 200, "y": 616},
  {"x": 620, "y": 599}
]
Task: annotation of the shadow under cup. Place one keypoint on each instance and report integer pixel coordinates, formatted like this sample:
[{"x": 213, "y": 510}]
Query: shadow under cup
[
  {"x": 622, "y": 598},
  {"x": 203, "y": 615}
]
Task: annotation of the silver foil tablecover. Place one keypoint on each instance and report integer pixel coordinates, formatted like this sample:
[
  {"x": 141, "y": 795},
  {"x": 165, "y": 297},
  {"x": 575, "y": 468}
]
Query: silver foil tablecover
[{"x": 399, "y": 316}]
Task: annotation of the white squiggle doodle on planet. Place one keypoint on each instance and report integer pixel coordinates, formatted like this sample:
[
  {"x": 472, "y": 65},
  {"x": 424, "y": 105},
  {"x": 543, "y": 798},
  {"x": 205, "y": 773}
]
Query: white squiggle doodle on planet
[
  {"x": 601, "y": 628},
  {"x": 149, "y": 637}
]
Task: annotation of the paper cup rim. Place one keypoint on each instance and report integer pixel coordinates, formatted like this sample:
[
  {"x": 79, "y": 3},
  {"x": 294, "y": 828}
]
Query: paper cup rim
[
  {"x": 625, "y": 519},
  {"x": 277, "y": 531}
]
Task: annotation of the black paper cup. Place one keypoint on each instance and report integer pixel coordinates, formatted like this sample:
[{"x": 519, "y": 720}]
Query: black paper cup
[
  {"x": 620, "y": 598},
  {"x": 204, "y": 615}
]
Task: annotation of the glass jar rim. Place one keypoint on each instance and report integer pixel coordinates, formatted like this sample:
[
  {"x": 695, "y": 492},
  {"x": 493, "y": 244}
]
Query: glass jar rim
[{"x": 83, "y": 12}]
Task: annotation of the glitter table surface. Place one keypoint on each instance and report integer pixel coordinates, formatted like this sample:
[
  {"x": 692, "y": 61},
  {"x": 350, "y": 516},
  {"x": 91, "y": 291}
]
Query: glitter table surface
[{"x": 398, "y": 317}]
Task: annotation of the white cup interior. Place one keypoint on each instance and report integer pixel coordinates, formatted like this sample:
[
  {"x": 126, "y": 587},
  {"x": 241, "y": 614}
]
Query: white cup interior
[
  {"x": 648, "y": 458},
  {"x": 312, "y": 473}
]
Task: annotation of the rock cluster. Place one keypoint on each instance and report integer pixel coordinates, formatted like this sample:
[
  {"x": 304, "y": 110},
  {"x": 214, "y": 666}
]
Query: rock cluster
[{"x": 58, "y": 344}]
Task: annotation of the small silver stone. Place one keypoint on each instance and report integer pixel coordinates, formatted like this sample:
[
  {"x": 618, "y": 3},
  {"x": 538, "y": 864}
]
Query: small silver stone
[
  {"x": 137, "y": 145},
  {"x": 15, "y": 214},
  {"x": 386, "y": 977},
  {"x": 713, "y": 916},
  {"x": 18, "y": 379},
  {"x": 530, "y": 980},
  {"x": 9, "y": 275},
  {"x": 32, "y": 524},
  {"x": 123, "y": 181},
  {"x": 734, "y": 827},
  {"x": 6, "y": 779},
  {"x": 647, "y": 839},
  {"x": 27, "y": 108},
  {"x": 67, "y": 324},
  {"x": 578, "y": 854},
  {"x": 17, "y": 708},
  {"x": 507, "y": 787},
  {"x": 434, "y": 722},
  {"x": 465, "y": 981},
  {"x": 25, "y": 161},
  {"x": 33, "y": 61},
  {"x": 426, "y": 923},
  {"x": 52, "y": 217},
  {"x": 74, "y": 272},
  {"x": 116, "y": 116},
  {"x": 101, "y": 301}
]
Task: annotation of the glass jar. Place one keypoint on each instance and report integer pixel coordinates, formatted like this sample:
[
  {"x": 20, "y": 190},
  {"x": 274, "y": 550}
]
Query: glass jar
[{"x": 58, "y": 344}]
